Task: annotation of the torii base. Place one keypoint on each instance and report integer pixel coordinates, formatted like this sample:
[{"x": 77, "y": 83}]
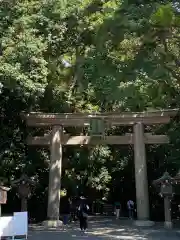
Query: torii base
[
  {"x": 145, "y": 223},
  {"x": 52, "y": 223},
  {"x": 168, "y": 225}
]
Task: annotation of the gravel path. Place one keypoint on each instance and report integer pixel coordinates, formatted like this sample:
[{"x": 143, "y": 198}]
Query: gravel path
[{"x": 107, "y": 229}]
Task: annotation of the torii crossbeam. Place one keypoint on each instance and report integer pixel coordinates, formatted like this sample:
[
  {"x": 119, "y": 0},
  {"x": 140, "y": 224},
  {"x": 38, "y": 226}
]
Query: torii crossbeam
[{"x": 90, "y": 140}]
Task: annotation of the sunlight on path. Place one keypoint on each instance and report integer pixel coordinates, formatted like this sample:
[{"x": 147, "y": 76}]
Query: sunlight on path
[{"x": 104, "y": 229}]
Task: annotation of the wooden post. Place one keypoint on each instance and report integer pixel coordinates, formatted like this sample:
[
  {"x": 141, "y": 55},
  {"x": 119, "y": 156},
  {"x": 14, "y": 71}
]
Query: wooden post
[
  {"x": 142, "y": 197},
  {"x": 167, "y": 212},
  {"x": 55, "y": 174},
  {"x": 23, "y": 204}
]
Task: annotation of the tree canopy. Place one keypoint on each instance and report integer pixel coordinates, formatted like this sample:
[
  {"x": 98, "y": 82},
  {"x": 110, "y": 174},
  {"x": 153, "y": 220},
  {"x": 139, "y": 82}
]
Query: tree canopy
[{"x": 87, "y": 56}]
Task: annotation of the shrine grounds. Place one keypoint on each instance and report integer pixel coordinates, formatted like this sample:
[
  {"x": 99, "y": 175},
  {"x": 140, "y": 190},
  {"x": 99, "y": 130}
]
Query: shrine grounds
[{"x": 105, "y": 228}]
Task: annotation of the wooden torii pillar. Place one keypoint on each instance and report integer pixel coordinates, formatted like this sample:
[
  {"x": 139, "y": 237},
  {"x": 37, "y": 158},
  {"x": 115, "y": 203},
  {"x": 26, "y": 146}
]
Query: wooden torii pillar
[
  {"x": 56, "y": 139},
  {"x": 55, "y": 174}
]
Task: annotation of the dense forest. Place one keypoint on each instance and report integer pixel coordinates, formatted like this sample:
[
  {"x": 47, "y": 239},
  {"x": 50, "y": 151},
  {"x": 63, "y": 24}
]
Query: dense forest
[{"x": 87, "y": 56}]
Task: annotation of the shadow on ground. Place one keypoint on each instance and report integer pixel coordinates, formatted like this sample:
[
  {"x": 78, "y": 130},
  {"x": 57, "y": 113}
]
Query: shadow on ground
[{"x": 107, "y": 229}]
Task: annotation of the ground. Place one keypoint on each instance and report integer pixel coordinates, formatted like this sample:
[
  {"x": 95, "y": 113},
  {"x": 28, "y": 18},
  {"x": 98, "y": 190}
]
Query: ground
[{"x": 105, "y": 228}]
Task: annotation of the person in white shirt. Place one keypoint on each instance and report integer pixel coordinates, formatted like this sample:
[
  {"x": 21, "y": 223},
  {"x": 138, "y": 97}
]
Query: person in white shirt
[{"x": 130, "y": 206}]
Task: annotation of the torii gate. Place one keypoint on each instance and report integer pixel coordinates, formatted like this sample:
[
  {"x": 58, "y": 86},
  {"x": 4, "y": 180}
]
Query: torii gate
[{"x": 56, "y": 139}]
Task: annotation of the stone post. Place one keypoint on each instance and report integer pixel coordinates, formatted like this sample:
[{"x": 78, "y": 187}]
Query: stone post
[
  {"x": 166, "y": 191},
  {"x": 24, "y": 191},
  {"x": 167, "y": 212},
  {"x": 23, "y": 204},
  {"x": 55, "y": 177},
  {"x": 142, "y": 196}
]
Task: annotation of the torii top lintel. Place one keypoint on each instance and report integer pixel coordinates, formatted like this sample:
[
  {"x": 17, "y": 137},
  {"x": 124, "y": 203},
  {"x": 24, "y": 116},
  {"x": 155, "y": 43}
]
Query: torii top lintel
[{"x": 40, "y": 119}]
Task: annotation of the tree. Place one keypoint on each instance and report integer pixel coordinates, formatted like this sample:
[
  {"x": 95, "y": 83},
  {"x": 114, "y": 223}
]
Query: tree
[{"x": 122, "y": 55}]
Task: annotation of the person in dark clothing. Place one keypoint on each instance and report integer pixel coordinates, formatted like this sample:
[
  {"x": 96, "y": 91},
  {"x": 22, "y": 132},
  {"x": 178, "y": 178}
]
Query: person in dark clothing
[
  {"x": 130, "y": 205},
  {"x": 73, "y": 212},
  {"x": 83, "y": 215},
  {"x": 117, "y": 209},
  {"x": 66, "y": 212}
]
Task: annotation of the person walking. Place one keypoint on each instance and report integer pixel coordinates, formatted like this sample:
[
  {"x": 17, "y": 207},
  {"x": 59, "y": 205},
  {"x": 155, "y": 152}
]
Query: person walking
[
  {"x": 130, "y": 206},
  {"x": 117, "y": 209},
  {"x": 66, "y": 212},
  {"x": 83, "y": 214},
  {"x": 73, "y": 211}
]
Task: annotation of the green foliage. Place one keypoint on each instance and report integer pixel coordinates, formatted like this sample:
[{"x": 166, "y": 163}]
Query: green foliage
[
  {"x": 122, "y": 55},
  {"x": 164, "y": 16}
]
